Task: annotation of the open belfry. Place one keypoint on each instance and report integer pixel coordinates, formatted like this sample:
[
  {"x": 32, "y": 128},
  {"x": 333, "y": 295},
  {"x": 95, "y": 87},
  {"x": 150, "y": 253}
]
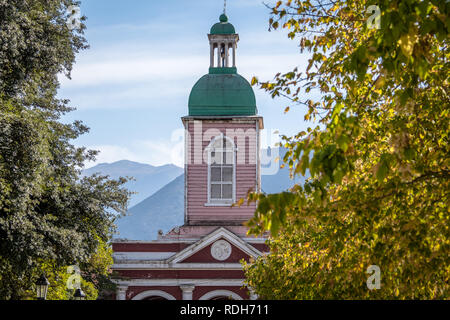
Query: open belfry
[{"x": 200, "y": 260}]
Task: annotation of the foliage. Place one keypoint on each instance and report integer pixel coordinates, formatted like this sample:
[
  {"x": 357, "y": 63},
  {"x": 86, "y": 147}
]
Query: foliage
[
  {"x": 49, "y": 217},
  {"x": 378, "y": 154},
  {"x": 94, "y": 276}
]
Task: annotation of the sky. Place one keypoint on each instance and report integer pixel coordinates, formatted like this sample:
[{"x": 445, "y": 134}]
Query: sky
[{"x": 131, "y": 87}]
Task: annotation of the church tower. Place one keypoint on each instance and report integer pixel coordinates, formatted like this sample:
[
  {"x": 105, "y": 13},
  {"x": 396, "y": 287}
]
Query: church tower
[
  {"x": 200, "y": 260},
  {"x": 222, "y": 138}
]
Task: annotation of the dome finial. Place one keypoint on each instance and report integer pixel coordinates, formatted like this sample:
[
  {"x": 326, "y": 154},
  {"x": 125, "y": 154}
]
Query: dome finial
[{"x": 223, "y": 17}]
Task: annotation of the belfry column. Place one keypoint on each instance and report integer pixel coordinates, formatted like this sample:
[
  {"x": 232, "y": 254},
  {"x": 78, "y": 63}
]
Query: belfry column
[
  {"x": 219, "y": 47},
  {"x": 211, "y": 52},
  {"x": 226, "y": 55},
  {"x": 234, "y": 54}
]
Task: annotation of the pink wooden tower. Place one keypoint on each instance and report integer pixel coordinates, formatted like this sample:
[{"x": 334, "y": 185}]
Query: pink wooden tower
[{"x": 200, "y": 260}]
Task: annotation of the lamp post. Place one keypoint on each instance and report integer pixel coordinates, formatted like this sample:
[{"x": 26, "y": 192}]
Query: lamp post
[
  {"x": 79, "y": 294},
  {"x": 42, "y": 287}
]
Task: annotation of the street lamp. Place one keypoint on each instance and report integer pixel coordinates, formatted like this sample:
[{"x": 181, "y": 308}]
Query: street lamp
[
  {"x": 42, "y": 287},
  {"x": 79, "y": 294}
]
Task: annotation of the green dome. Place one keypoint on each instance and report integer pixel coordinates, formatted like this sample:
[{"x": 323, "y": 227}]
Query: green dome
[
  {"x": 223, "y": 27},
  {"x": 222, "y": 95},
  {"x": 223, "y": 18}
]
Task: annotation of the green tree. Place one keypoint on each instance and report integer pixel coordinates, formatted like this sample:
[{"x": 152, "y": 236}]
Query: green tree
[
  {"x": 94, "y": 276},
  {"x": 377, "y": 152},
  {"x": 50, "y": 217}
]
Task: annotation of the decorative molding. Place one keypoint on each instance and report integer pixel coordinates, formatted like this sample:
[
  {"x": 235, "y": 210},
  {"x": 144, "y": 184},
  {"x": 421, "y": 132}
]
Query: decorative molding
[
  {"x": 187, "y": 289},
  {"x": 130, "y": 256},
  {"x": 187, "y": 153},
  {"x": 211, "y": 238},
  {"x": 121, "y": 293},
  {"x": 180, "y": 282},
  {"x": 162, "y": 241},
  {"x": 132, "y": 265},
  {"x": 153, "y": 293},
  {"x": 221, "y": 250},
  {"x": 220, "y": 293},
  {"x": 214, "y": 204}
]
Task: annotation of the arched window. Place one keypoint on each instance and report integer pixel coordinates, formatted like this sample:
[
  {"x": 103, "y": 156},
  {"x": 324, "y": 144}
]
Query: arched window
[{"x": 221, "y": 171}]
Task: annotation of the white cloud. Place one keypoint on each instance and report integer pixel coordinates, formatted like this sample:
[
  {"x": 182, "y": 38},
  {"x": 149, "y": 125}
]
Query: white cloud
[
  {"x": 147, "y": 74},
  {"x": 171, "y": 69},
  {"x": 251, "y": 3},
  {"x": 126, "y": 70}
]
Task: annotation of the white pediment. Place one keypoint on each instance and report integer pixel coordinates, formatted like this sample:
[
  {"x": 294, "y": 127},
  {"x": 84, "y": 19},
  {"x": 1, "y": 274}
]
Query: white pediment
[{"x": 219, "y": 234}]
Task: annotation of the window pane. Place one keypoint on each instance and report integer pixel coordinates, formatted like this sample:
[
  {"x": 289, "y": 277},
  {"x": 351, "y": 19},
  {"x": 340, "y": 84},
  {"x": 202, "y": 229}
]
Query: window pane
[
  {"x": 216, "y": 157},
  {"x": 215, "y": 174},
  {"x": 218, "y": 143},
  {"x": 215, "y": 191},
  {"x": 227, "y": 174},
  {"x": 228, "y": 157},
  {"x": 227, "y": 144},
  {"x": 227, "y": 190}
]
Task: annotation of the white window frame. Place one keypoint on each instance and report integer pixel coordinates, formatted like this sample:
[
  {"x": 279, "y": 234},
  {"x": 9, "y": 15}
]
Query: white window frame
[{"x": 210, "y": 149}]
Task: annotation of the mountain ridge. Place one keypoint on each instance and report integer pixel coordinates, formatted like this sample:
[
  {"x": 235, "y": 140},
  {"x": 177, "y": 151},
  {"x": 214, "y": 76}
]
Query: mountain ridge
[
  {"x": 148, "y": 179},
  {"x": 165, "y": 208}
]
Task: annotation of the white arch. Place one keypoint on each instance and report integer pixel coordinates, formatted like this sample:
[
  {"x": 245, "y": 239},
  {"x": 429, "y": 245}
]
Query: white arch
[
  {"x": 153, "y": 293},
  {"x": 221, "y": 293},
  {"x": 210, "y": 147}
]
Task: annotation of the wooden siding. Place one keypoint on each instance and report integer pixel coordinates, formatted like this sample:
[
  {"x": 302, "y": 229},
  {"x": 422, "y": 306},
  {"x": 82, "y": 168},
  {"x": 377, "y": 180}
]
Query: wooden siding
[{"x": 244, "y": 135}]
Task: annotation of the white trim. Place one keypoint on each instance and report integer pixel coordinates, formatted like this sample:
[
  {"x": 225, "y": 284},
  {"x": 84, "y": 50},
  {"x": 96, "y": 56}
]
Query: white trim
[
  {"x": 213, "y": 204},
  {"x": 121, "y": 292},
  {"x": 258, "y": 159},
  {"x": 223, "y": 119},
  {"x": 153, "y": 293},
  {"x": 210, "y": 148},
  {"x": 187, "y": 155},
  {"x": 187, "y": 290},
  {"x": 161, "y": 241},
  {"x": 208, "y": 181},
  {"x": 212, "y": 237},
  {"x": 179, "y": 282},
  {"x": 133, "y": 265},
  {"x": 142, "y": 255},
  {"x": 220, "y": 293},
  {"x": 183, "y": 240}
]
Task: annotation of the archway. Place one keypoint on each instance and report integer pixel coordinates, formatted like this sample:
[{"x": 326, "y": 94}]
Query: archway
[
  {"x": 221, "y": 295},
  {"x": 153, "y": 295}
]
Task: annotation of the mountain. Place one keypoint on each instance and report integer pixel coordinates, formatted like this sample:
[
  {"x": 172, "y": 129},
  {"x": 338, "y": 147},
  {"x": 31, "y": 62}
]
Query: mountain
[
  {"x": 148, "y": 179},
  {"x": 273, "y": 178},
  {"x": 161, "y": 211},
  {"x": 164, "y": 210}
]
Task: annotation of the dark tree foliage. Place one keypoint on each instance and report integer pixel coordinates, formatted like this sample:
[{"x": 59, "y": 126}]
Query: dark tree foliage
[{"x": 48, "y": 214}]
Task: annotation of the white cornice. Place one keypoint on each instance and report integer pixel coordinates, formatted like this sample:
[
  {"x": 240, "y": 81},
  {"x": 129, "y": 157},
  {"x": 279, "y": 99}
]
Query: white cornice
[
  {"x": 160, "y": 265},
  {"x": 179, "y": 282}
]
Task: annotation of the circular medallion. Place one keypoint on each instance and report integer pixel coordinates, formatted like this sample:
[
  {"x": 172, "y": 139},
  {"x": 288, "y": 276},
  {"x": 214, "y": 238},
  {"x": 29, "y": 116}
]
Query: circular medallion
[{"x": 221, "y": 250}]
